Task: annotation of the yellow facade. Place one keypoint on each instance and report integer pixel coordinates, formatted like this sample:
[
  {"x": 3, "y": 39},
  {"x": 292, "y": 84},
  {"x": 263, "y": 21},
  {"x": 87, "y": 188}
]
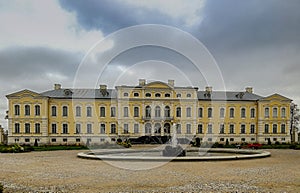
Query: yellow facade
[{"x": 69, "y": 116}]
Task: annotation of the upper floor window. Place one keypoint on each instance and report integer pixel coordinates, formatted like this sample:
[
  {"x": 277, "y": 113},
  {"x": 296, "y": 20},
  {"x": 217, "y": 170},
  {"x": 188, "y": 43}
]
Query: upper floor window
[
  {"x": 283, "y": 128},
  {"x": 222, "y": 128},
  {"x": 252, "y": 113},
  {"x": 222, "y": 112},
  {"x": 188, "y": 112},
  {"x": 178, "y": 95},
  {"x": 53, "y": 111},
  {"x": 178, "y": 128},
  {"x": 125, "y": 94},
  {"x": 113, "y": 129},
  {"x": 102, "y": 128},
  {"x": 148, "y": 95},
  {"x": 148, "y": 111},
  {"x": 27, "y": 110},
  {"x": 125, "y": 113},
  {"x": 78, "y": 111},
  {"x": 17, "y": 109},
  {"x": 88, "y": 111},
  {"x": 243, "y": 129},
  {"x": 167, "y": 95},
  {"x": 167, "y": 111},
  {"x": 188, "y": 128},
  {"x": 200, "y": 128},
  {"x": 178, "y": 112},
  {"x": 157, "y": 111},
  {"x": 53, "y": 128},
  {"x": 283, "y": 112},
  {"x": 65, "y": 111},
  {"x": 136, "y": 128},
  {"x": 37, "y": 128},
  {"x": 136, "y": 94},
  {"x": 27, "y": 127},
  {"x": 200, "y": 112},
  {"x": 231, "y": 129},
  {"x": 252, "y": 128},
  {"x": 275, "y": 112},
  {"x": 267, "y": 112},
  {"x": 157, "y": 95},
  {"x": 78, "y": 128},
  {"x": 102, "y": 111},
  {"x": 209, "y": 129},
  {"x": 188, "y": 95},
  {"x": 65, "y": 128},
  {"x": 89, "y": 128},
  {"x": 17, "y": 127},
  {"x": 126, "y": 128},
  {"x": 136, "y": 111},
  {"x": 274, "y": 128},
  {"x": 243, "y": 112},
  {"x": 231, "y": 112},
  {"x": 266, "y": 128},
  {"x": 37, "y": 110},
  {"x": 209, "y": 112},
  {"x": 112, "y": 111}
]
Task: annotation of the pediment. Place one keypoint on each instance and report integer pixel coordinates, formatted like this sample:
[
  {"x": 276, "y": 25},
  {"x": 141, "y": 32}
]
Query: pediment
[
  {"x": 24, "y": 93},
  {"x": 275, "y": 97},
  {"x": 158, "y": 84}
]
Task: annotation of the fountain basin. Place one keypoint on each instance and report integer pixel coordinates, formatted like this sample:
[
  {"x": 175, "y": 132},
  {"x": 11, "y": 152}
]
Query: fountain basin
[{"x": 192, "y": 154}]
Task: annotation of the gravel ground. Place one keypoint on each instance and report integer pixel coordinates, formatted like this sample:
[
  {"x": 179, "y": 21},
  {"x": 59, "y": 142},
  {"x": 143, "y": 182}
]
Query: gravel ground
[{"x": 62, "y": 171}]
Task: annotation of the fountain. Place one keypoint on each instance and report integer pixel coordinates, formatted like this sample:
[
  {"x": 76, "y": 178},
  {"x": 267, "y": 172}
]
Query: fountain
[{"x": 174, "y": 150}]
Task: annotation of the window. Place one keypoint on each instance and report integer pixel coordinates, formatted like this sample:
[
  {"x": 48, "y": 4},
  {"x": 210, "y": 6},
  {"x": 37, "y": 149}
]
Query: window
[
  {"x": 102, "y": 111},
  {"x": 136, "y": 94},
  {"x": 125, "y": 129},
  {"x": 157, "y": 95},
  {"x": 27, "y": 110},
  {"x": 231, "y": 112},
  {"x": 88, "y": 111},
  {"x": 283, "y": 111},
  {"x": 102, "y": 128},
  {"x": 209, "y": 128},
  {"x": 222, "y": 139},
  {"x": 275, "y": 112},
  {"x": 53, "y": 140},
  {"x": 243, "y": 129},
  {"x": 222, "y": 130},
  {"x": 188, "y": 129},
  {"x": 267, "y": 112},
  {"x": 148, "y": 95},
  {"x": 243, "y": 139},
  {"x": 65, "y": 111},
  {"x": 231, "y": 139},
  {"x": 157, "y": 111},
  {"x": 136, "y": 128},
  {"x": 125, "y": 111},
  {"x": 283, "y": 139},
  {"x": 243, "y": 112},
  {"x": 178, "y": 112},
  {"x": 167, "y": 111},
  {"x": 53, "y": 111},
  {"x": 65, "y": 140},
  {"x": 148, "y": 111},
  {"x": 78, "y": 128},
  {"x": 77, "y": 140},
  {"x": 148, "y": 128},
  {"x": 209, "y": 139},
  {"x": 274, "y": 128},
  {"x": 200, "y": 112},
  {"x": 37, "y": 128},
  {"x": 17, "y": 109},
  {"x": 113, "y": 128},
  {"x": 37, "y": 110},
  {"x": 178, "y": 95},
  {"x": 252, "y": 129},
  {"x": 188, "y": 112},
  {"x": 209, "y": 112},
  {"x": 89, "y": 128},
  {"x": 125, "y": 94},
  {"x": 178, "y": 128},
  {"x": 231, "y": 129},
  {"x": 222, "y": 112},
  {"x": 53, "y": 128},
  {"x": 27, "y": 127},
  {"x": 27, "y": 140},
  {"x": 282, "y": 128},
  {"x": 252, "y": 139},
  {"x": 65, "y": 128},
  {"x": 112, "y": 111},
  {"x": 188, "y": 95},
  {"x": 157, "y": 128},
  {"x": 167, "y": 95},
  {"x": 136, "y": 112},
  {"x": 266, "y": 128},
  {"x": 200, "y": 128},
  {"x": 252, "y": 113},
  {"x": 78, "y": 111},
  {"x": 17, "y": 127}
]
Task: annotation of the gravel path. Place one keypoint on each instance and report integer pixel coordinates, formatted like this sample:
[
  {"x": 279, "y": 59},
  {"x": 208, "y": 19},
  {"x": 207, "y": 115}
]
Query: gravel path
[{"x": 62, "y": 171}]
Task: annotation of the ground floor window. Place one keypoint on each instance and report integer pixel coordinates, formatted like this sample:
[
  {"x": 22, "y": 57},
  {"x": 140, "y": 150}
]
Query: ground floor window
[
  {"x": 231, "y": 139},
  {"x": 27, "y": 140},
  {"x": 136, "y": 128},
  {"x": 65, "y": 140},
  {"x": 53, "y": 140},
  {"x": 77, "y": 139}
]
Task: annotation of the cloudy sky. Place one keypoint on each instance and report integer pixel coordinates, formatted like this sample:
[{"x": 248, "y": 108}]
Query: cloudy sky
[{"x": 253, "y": 43}]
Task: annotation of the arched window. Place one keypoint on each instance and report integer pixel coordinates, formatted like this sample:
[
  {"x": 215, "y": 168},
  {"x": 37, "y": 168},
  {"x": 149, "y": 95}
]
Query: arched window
[
  {"x": 17, "y": 109},
  {"x": 209, "y": 112},
  {"x": 178, "y": 112},
  {"x": 53, "y": 111},
  {"x": 178, "y": 128},
  {"x": 188, "y": 95},
  {"x": 148, "y": 111},
  {"x": 37, "y": 110},
  {"x": 88, "y": 111},
  {"x": 157, "y": 111},
  {"x": 136, "y": 112},
  {"x": 167, "y": 111},
  {"x": 37, "y": 128},
  {"x": 148, "y": 128},
  {"x": 231, "y": 112},
  {"x": 188, "y": 112},
  {"x": 222, "y": 112},
  {"x": 27, "y": 127},
  {"x": 125, "y": 94},
  {"x": 200, "y": 112},
  {"x": 243, "y": 112},
  {"x": 157, "y": 95},
  {"x": 178, "y": 95},
  {"x": 157, "y": 128},
  {"x": 65, "y": 111},
  {"x": 167, "y": 95},
  {"x": 136, "y": 94},
  {"x": 17, "y": 127},
  {"x": 102, "y": 111},
  {"x": 283, "y": 111},
  {"x": 113, "y": 129},
  {"x": 252, "y": 113},
  {"x": 148, "y": 95},
  {"x": 78, "y": 111},
  {"x": 275, "y": 112},
  {"x": 267, "y": 112},
  {"x": 27, "y": 110}
]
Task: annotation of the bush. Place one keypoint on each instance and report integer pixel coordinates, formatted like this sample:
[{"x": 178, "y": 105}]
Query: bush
[{"x": 1, "y": 188}]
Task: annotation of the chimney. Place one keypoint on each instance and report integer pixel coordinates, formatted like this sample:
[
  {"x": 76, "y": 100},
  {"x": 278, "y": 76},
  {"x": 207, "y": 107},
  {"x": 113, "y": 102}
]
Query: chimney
[
  {"x": 249, "y": 89},
  {"x": 171, "y": 83},
  {"x": 142, "y": 82},
  {"x": 208, "y": 89},
  {"x": 57, "y": 86}
]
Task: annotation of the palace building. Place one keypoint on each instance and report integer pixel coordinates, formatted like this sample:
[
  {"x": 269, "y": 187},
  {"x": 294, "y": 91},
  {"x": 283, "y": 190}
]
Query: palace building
[{"x": 157, "y": 109}]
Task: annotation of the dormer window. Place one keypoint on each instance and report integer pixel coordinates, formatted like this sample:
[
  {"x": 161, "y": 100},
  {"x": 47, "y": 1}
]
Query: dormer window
[
  {"x": 125, "y": 94},
  {"x": 157, "y": 95},
  {"x": 178, "y": 95},
  {"x": 188, "y": 95},
  {"x": 136, "y": 94},
  {"x": 148, "y": 95},
  {"x": 167, "y": 95}
]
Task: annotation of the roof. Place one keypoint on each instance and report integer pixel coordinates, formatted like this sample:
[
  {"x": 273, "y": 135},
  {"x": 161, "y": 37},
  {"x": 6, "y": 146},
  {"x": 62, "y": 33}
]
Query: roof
[
  {"x": 228, "y": 95},
  {"x": 80, "y": 93}
]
